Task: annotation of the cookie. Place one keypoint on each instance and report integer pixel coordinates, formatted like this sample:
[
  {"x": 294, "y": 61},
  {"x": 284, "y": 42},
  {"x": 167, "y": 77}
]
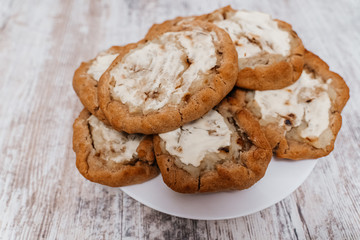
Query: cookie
[
  {"x": 169, "y": 79},
  {"x": 223, "y": 150},
  {"x": 270, "y": 54},
  {"x": 301, "y": 121},
  {"x": 86, "y": 79},
  {"x": 112, "y": 158}
]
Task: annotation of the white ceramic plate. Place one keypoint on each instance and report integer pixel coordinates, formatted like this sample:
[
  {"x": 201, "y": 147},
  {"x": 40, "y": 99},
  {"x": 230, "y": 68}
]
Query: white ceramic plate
[{"x": 281, "y": 179}]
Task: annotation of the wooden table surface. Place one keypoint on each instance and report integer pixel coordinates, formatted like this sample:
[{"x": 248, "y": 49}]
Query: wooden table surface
[{"x": 42, "y": 195}]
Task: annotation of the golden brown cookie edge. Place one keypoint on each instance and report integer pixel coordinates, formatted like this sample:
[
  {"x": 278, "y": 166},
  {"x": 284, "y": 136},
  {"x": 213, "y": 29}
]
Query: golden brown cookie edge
[
  {"x": 125, "y": 175},
  {"x": 293, "y": 150},
  {"x": 226, "y": 176},
  {"x": 260, "y": 77},
  {"x": 170, "y": 118},
  {"x": 85, "y": 87}
]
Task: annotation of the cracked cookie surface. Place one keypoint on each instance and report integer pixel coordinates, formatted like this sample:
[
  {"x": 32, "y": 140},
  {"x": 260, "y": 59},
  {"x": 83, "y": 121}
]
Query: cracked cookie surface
[
  {"x": 109, "y": 157},
  {"x": 224, "y": 150},
  {"x": 270, "y": 54},
  {"x": 169, "y": 79},
  {"x": 86, "y": 79},
  {"x": 301, "y": 121}
]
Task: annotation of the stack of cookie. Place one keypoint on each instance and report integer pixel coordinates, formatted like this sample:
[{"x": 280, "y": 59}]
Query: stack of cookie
[{"x": 205, "y": 101}]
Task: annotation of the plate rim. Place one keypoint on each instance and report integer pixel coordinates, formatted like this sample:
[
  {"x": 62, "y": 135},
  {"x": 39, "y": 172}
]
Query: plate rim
[{"x": 242, "y": 214}]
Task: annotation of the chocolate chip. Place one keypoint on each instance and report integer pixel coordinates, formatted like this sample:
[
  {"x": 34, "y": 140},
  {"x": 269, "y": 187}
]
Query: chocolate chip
[
  {"x": 187, "y": 97},
  {"x": 188, "y": 61},
  {"x": 240, "y": 141},
  {"x": 224, "y": 149}
]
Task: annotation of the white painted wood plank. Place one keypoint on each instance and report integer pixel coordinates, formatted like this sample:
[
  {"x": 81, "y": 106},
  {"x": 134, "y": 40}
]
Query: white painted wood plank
[{"x": 43, "y": 196}]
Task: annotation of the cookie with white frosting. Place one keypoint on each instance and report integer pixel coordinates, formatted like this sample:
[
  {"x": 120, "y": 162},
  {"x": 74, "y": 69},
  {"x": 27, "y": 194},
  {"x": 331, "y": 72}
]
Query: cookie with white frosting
[
  {"x": 270, "y": 54},
  {"x": 301, "y": 121},
  {"x": 109, "y": 157},
  {"x": 223, "y": 150},
  {"x": 169, "y": 79},
  {"x": 86, "y": 79}
]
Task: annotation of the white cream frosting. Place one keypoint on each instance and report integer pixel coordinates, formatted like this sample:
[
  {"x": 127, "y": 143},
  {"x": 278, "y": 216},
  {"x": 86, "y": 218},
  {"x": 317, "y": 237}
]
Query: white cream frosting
[
  {"x": 100, "y": 64},
  {"x": 305, "y": 100},
  {"x": 157, "y": 73},
  {"x": 111, "y": 144},
  {"x": 194, "y": 140},
  {"x": 246, "y": 27}
]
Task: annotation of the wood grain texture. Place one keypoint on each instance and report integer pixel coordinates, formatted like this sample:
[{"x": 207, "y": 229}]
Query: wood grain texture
[{"x": 42, "y": 196}]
